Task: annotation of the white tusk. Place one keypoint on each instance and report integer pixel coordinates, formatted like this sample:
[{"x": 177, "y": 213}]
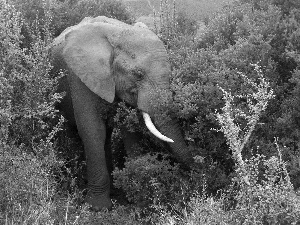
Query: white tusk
[{"x": 153, "y": 129}]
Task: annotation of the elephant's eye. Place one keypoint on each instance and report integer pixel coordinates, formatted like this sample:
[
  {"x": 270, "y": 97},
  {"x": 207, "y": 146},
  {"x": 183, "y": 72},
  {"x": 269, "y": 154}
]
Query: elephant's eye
[{"x": 139, "y": 74}]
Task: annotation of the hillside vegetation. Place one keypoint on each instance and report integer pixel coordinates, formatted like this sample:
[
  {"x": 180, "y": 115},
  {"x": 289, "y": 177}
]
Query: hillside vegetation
[
  {"x": 196, "y": 9},
  {"x": 236, "y": 94}
]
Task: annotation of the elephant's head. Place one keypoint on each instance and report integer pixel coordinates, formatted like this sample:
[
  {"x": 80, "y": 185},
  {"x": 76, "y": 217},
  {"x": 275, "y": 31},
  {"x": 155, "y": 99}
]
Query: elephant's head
[{"x": 116, "y": 59}]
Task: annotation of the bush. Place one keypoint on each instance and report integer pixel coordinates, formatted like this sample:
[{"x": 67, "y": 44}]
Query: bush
[
  {"x": 27, "y": 120},
  {"x": 270, "y": 197},
  {"x": 149, "y": 181},
  {"x": 261, "y": 191},
  {"x": 69, "y": 13},
  {"x": 172, "y": 25},
  {"x": 119, "y": 215},
  {"x": 30, "y": 90},
  {"x": 66, "y": 13},
  {"x": 9, "y": 59},
  {"x": 27, "y": 186},
  {"x": 236, "y": 37}
]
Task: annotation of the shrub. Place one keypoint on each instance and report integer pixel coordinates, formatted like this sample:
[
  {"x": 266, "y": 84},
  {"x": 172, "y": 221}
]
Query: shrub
[
  {"x": 149, "y": 181},
  {"x": 26, "y": 80},
  {"x": 27, "y": 120},
  {"x": 236, "y": 37},
  {"x": 270, "y": 197},
  {"x": 231, "y": 119},
  {"x": 9, "y": 59},
  {"x": 69, "y": 13},
  {"x": 126, "y": 117},
  {"x": 66, "y": 13},
  {"x": 34, "y": 94},
  {"x": 261, "y": 191},
  {"x": 172, "y": 25},
  {"x": 27, "y": 186},
  {"x": 200, "y": 210},
  {"x": 118, "y": 215},
  {"x": 267, "y": 195},
  {"x": 285, "y": 6},
  {"x": 260, "y": 34}
]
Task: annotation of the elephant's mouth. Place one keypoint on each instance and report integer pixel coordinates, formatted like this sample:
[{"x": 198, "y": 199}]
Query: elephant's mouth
[{"x": 153, "y": 129}]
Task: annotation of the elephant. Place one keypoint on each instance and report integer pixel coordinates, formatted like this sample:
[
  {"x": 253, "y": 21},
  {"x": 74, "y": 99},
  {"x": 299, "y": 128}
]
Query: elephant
[{"x": 105, "y": 59}]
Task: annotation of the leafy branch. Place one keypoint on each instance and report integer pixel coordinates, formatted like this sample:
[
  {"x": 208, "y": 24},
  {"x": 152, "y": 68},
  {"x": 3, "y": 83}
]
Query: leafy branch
[{"x": 256, "y": 102}]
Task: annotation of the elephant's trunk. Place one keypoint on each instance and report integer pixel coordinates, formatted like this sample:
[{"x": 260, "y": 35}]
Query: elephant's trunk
[
  {"x": 179, "y": 148},
  {"x": 170, "y": 128},
  {"x": 153, "y": 129}
]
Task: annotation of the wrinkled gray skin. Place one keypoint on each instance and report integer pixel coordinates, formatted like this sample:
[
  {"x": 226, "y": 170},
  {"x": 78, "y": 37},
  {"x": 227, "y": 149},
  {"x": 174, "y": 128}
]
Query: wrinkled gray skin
[{"x": 105, "y": 58}]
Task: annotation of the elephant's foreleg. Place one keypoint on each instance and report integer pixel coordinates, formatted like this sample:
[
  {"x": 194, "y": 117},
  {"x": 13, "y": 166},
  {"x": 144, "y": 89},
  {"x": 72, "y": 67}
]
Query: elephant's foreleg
[
  {"x": 91, "y": 128},
  {"x": 108, "y": 153}
]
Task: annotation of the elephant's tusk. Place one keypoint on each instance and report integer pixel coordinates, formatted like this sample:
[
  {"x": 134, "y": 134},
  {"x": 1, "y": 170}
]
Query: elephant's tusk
[{"x": 153, "y": 129}]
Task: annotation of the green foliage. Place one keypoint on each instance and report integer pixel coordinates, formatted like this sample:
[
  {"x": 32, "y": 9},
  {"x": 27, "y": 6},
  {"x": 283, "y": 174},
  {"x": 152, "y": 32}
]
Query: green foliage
[
  {"x": 149, "y": 181},
  {"x": 185, "y": 25},
  {"x": 235, "y": 38},
  {"x": 200, "y": 210},
  {"x": 270, "y": 197},
  {"x": 240, "y": 21},
  {"x": 266, "y": 193},
  {"x": 118, "y": 215},
  {"x": 25, "y": 76},
  {"x": 109, "y": 8},
  {"x": 286, "y": 6},
  {"x": 126, "y": 117},
  {"x": 231, "y": 118},
  {"x": 196, "y": 9},
  {"x": 27, "y": 185},
  {"x": 263, "y": 192},
  {"x": 9, "y": 60},
  {"x": 27, "y": 107},
  {"x": 69, "y": 13},
  {"x": 33, "y": 97},
  {"x": 172, "y": 24}
]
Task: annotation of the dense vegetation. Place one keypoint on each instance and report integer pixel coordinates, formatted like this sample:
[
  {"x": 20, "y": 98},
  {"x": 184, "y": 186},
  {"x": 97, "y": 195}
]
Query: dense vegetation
[
  {"x": 196, "y": 9},
  {"x": 236, "y": 92}
]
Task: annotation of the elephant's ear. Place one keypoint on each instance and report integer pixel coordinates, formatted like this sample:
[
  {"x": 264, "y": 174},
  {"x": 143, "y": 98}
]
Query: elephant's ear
[{"x": 88, "y": 55}]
